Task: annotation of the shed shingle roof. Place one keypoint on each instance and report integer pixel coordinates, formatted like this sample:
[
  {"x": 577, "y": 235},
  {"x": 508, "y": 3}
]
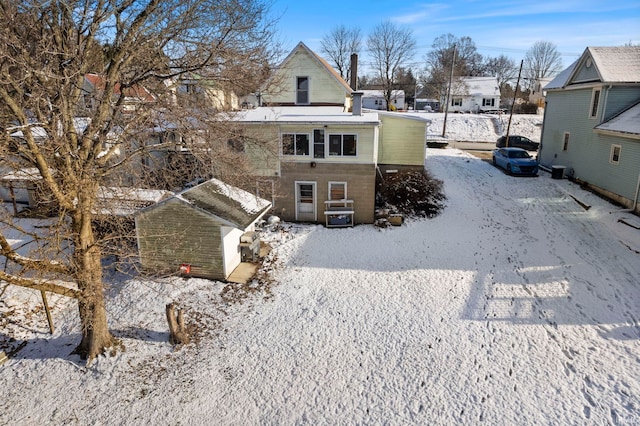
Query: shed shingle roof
[{"x": 227, "y": 202}]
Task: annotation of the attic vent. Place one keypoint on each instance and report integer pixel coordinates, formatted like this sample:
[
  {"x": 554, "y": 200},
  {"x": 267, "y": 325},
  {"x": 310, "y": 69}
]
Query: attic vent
[{"x": 588, "y": 64}]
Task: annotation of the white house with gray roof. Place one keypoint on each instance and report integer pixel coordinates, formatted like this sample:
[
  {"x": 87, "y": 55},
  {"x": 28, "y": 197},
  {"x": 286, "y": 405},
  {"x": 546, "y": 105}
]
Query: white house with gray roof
[
  {"x": 592, "y": 122},
  {"x": 474, "y": 94}
]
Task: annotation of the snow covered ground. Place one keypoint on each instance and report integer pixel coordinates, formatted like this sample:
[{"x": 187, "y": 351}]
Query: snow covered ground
[{"x": 515, "y": 306}]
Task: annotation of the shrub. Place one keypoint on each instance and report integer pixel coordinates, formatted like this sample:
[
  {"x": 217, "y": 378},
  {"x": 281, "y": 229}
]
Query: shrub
[{"x": 412, "y": 193}]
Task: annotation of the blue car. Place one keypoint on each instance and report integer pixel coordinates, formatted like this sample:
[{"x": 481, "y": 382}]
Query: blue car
[{"x": 515, "y": 161}]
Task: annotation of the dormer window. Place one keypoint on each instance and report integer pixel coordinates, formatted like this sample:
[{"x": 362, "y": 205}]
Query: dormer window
[{"x": 302, "y": 90}]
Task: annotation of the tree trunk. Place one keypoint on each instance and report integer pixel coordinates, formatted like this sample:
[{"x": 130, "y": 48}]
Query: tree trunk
[
  {"x": 96, "y": 337},
  {"x": 177, "y": 331}
]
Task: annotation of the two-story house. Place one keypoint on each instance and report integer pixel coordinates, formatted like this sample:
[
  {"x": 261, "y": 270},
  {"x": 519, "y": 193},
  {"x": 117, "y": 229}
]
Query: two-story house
[
  {"x": 592, "y": 122},
  {"x": 321, "y": 147}
]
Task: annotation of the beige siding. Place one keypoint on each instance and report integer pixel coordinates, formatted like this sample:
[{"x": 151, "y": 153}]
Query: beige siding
[
  {"x": 264, "y": 148},
  {"x": 360, "y": 180},
  {"x": 174, "y": 233},
  {"x": 323, "y": 87},
  {"x": 402, "y": 141},
  {"x": 366, "y": 145}
]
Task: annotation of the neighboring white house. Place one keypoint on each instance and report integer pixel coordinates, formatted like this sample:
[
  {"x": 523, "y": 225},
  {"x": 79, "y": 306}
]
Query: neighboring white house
[
  {"x": 475, "y": 94},
  {"x": 374, "y": 99}
]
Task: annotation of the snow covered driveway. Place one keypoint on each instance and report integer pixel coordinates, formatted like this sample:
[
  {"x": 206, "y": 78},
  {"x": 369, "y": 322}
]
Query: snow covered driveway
[{"x": 516, "y": 306}]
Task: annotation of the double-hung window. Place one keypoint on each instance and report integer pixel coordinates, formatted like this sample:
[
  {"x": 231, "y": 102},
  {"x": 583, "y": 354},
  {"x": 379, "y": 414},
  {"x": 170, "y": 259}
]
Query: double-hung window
[
  {"x": 343, "y": 145},
  {"x": 302, "y": 90},
  {"x": 295, "y": 144},
  {"x": 456, "y": 102}
]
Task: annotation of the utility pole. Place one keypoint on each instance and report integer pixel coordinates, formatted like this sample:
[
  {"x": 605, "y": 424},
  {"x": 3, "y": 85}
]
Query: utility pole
[
  {"x": 446, "y": 109},
  {"x": 513, "y": 104}
]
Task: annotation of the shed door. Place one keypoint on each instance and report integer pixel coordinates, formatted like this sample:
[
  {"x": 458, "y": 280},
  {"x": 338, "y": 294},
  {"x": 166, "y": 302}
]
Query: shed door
[{"x": 306, "y": 201}]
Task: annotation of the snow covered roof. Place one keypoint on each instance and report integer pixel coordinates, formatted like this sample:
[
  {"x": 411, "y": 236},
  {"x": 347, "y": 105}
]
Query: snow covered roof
[
  {"x": 617, "y": 64},
  {"x": 561, "y": 79},
  {"x": 614, "y": 65},
  {"x": 484, "y": 86},
  {"x": 226, "y": 202},
  {"x": 627, "y": 122},
  {"x": 304, "y": 114},
  {"x": 380, "y": 93},
  {"x": 125, "y": 201}
]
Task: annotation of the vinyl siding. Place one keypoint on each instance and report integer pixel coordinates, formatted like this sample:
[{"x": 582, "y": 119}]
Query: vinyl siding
[
  {"x": 323, "y": 87},
  {"x": 589, "y": 151},
  {"x": 175, "y": 233},
  {"x": 618, "y": 99},
  {"x": 263, "y": 151},
  {"x": 402, "y": 141},
  {"x": 366, "y": 147}
]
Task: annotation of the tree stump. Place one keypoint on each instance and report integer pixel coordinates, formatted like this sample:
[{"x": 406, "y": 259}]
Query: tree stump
[{"x": 177, "y": 331}]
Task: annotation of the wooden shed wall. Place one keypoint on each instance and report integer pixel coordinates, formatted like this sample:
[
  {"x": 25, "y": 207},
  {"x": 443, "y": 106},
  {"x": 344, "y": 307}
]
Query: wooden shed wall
[{"x": 174, "y": 233}]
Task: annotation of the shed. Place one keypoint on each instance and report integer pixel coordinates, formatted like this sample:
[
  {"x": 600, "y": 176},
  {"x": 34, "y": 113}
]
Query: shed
[{"x": 198, "y": 231}]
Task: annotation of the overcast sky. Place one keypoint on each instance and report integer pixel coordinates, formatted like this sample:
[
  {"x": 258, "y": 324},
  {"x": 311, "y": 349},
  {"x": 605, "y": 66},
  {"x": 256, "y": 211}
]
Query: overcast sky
[{"x": 507, "y": 27}]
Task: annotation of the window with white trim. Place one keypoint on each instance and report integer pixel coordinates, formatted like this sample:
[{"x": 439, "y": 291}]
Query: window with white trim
[
  {"x": 337, "y": 190},
  {"x": 595, "y": 101},
  {"x": 488, "y": 102},
  {"x": 343, "y": 145},
  {"x": 456, "y": 102},
  {"x": 614, "y": 157},
  {"x": 318, "y": 143},
  {"x": 565, "y": 141},
  {"x": 295, "y": 144},
  {"x": 302, "y": 90}
]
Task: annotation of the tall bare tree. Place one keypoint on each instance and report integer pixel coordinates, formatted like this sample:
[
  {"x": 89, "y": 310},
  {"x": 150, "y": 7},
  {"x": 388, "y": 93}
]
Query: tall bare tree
[
  {"x": 503, "y": 68},
  {"x": 439, "y": 59},
  {"x": 338, "y": 46},
  {"x": 541, "y": 60},
  {"x": 46, "y": 51},
  {"x": 390, "y": 46}
]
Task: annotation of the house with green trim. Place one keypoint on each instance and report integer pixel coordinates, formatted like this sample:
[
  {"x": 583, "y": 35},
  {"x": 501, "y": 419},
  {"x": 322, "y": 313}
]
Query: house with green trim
[
  {"x": 592, "y": 122},
  {"x": 322, "y": 150}
]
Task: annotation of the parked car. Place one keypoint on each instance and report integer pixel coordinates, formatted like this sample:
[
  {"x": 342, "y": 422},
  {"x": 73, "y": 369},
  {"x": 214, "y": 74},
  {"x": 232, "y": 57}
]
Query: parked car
[
  {"x": 518, "y": 142},
  {"x": 515, "y": 161}
]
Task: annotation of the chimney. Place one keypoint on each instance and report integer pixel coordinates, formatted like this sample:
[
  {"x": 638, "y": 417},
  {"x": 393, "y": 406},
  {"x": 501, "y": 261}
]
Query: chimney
[
  {"x": 357, "y": 103},
  {"x": 354, "y": 71}
]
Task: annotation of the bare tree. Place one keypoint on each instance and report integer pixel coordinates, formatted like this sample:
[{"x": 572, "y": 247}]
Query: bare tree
[
  {"x": 338, "y": 46},
  {"x": 503, "y": 68},
  {"x": 468, "y": 62},
  {"x": 72, "y": 151},
  {"x": 541, "y": 60},
  {"x": 390, "y": 46}
]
